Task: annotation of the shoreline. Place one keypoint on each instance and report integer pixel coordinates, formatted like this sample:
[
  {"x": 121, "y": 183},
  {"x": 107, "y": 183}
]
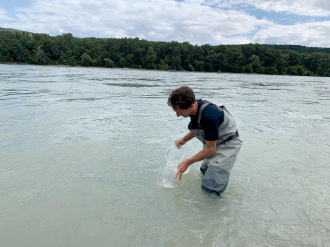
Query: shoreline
[{"x": 126, "y": 68}]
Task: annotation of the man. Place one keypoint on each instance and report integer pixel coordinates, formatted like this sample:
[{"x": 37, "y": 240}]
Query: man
[{"x": 216, "y": 129}]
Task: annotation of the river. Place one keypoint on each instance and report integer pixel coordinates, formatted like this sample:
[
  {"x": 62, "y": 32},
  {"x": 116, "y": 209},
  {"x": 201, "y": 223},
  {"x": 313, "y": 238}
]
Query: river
[{"x": 82, "y": 156}]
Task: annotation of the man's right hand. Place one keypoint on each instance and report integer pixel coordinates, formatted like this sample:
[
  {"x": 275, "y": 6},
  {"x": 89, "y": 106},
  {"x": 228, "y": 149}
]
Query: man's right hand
[
  {"x": 184, "y": 139},
  {"x": 179, "y": 143}
]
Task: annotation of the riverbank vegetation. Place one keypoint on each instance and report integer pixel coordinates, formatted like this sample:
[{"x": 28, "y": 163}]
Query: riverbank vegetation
[{"x": 32, "y": 48}]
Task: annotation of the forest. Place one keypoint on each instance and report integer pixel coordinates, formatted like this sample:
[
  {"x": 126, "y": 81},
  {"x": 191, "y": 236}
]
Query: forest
[{"x": 34, "y": 48}]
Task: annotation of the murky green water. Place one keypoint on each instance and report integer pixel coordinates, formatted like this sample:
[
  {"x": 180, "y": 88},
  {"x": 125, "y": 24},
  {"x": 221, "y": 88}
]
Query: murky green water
[{"x": 82, "y": 153}]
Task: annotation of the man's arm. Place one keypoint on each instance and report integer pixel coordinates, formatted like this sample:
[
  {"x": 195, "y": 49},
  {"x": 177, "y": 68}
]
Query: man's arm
[
  {"x": 184, "y": 139},
  {"x": 203, "y": 154}
]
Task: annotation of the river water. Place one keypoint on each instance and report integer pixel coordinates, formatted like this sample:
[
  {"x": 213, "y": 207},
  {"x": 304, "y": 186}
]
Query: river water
[{"x": 82, "y": 156}]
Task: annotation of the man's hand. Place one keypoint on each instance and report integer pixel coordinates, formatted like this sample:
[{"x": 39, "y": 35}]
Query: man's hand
[
  {"x": 184, "y": 139},
  {"x": 182, "y": 167},
  {"x": 205, "y": 153},
  {"x": 179, "y": 142}
]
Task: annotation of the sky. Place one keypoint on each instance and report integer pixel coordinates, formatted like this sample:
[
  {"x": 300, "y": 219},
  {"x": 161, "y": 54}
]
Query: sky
[{"x": 214, "y": 22}]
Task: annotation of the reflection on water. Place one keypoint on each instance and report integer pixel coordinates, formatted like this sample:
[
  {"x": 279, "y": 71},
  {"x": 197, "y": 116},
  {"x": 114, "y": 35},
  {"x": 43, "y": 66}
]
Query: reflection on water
[{"x": 82, "y": 160}]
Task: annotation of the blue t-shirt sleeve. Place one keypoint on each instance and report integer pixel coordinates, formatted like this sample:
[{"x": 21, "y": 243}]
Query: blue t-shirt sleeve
[{"x": 211, "y": 121}]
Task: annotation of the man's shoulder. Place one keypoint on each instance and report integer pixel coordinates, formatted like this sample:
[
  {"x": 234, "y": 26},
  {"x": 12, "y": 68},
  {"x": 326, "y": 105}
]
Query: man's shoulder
[
  {"x": 212, "y": 109},
  {"x": 212, "y": 113}
]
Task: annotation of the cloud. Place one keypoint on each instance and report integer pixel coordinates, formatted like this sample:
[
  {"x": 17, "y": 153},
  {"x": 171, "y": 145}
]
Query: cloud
[
  {"x": 3, "y": 15},
  {"x": 316, "y": 8},
  {"x": 161, "y": 20},
  {"x": 315, "y": 34},
  {"x": 196, "y": 21}
]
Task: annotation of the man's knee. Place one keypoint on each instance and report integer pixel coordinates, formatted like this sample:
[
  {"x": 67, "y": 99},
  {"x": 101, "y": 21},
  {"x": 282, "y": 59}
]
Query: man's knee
[{"x": 215, "y": 179}]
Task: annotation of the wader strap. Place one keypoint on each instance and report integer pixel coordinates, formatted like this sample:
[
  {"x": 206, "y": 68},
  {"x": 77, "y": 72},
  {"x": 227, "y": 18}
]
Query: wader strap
[
  {"x": 200, "y": 113},
  {"x": 221, "y": 108},
  {"x": 231, "y": 137}
]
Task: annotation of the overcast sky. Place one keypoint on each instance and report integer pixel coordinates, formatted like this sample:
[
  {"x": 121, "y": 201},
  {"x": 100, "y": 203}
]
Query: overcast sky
[{"x": 299, "y": 22}]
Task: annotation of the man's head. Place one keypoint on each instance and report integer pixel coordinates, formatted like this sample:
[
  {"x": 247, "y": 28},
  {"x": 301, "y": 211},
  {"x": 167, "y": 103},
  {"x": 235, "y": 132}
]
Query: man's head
[
  {"x": 183, "y": 97},
  {"x": 182, "y": 100}
]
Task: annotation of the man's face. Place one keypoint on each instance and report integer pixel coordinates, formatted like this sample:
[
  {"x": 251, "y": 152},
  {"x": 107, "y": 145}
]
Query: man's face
[{"x": 182, "y": 112}]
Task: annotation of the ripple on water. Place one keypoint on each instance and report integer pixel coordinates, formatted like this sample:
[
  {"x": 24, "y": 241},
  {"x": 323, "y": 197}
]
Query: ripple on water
[{"x": 82, "y": 155}]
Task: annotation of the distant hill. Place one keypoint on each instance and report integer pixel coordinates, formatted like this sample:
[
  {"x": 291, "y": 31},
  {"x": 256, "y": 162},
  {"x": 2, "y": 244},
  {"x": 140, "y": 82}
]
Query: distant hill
[
  {"x": 9, "y": 30},
  {"x": 299, "y": 48}
]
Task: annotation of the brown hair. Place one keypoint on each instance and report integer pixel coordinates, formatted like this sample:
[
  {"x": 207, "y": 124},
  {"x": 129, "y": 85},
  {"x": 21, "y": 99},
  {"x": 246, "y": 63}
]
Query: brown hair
[{"x": 182, "y": 96}]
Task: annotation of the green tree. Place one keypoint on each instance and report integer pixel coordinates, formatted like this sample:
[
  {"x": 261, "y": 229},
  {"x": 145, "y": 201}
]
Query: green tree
[
  {"x": 108, "y": 62},
  {"x": 296, "y": 70},
  {"x": 24, "y": 47},
  {"x": 122, "y": 62},
  {"x": 176, "y": 57},
  {"x": 40, "y": 57},
  {"x": 248, "y": 68},
  {"x": 150, "y": 58},
  {"x": 318, "y": 63},
  {"x": 282, "y": 62},
  {"x": 86, "y": 60},
  {"x": 255, "y": 63},
  {"x": 199, "y": 65},
  {"x": 211, "y": 61},
  {"x": 271, "y": 70},
  {"x": 164, "y": 64},
  {"x": 235, "y": 59}
]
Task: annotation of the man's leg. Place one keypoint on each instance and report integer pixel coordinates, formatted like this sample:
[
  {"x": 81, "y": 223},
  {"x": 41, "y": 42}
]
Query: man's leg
[{"x": 217, "y": 167}]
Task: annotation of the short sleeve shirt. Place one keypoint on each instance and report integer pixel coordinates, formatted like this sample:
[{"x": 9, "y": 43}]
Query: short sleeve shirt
[{"x": 211, "y": 120}]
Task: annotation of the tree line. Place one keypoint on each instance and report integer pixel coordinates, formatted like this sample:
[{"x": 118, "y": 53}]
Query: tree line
[{"x": 34, "y": 48}]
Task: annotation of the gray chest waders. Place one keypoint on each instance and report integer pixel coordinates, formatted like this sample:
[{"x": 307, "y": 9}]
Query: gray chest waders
[{"x": 217, "y": 167}]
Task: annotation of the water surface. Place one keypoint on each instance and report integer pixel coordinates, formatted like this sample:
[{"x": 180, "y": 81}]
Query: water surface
[{"x": 82, "y": 153}]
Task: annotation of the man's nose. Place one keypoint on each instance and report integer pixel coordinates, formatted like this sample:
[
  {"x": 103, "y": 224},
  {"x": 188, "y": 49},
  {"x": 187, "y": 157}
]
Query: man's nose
[{"x": 177, "y": 114}]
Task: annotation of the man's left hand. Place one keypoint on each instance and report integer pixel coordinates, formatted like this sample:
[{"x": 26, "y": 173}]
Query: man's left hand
[{"x": 182, "y": 167}]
